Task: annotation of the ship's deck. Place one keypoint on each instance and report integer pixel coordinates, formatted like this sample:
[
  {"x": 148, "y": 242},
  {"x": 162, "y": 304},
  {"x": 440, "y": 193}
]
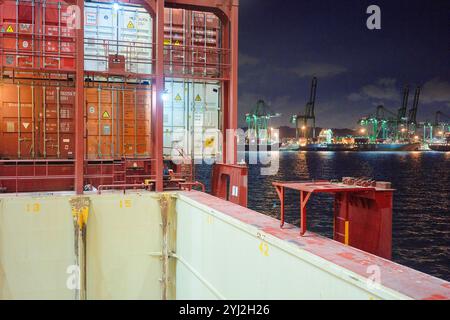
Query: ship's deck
[{"x": 411, "y": 283}]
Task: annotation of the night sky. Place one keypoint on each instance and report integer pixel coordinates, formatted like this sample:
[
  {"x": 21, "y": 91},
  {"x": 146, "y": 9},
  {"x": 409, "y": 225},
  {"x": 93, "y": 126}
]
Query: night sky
[{"x": 284, "y": 43}]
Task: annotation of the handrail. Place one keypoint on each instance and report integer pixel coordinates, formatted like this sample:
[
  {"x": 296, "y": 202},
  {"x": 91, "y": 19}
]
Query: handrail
[{"x": 124, "y": 187}]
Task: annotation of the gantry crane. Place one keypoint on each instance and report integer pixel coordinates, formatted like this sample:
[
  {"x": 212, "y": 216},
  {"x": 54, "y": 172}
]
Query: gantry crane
[
  {"x": 402, "y": 119},
  {"x": 381, "y": 125},
  {"x": 258, "y": 122},
  {"x": 442, "y": 121},
  {"x": 301, "y": 120},
  {"x": 386, "y": 124},
  {"x": 412, "y": 115}
]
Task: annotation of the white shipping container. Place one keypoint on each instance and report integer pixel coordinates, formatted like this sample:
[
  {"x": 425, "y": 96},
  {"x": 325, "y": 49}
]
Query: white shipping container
[
  {"x": 125, "y": 31},
  {"x": 193, "y": 109}
]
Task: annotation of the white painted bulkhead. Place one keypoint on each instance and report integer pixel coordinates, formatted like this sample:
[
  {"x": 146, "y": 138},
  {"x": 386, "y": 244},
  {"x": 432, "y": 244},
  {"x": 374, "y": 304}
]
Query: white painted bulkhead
[{"x": 158, "y": 246}]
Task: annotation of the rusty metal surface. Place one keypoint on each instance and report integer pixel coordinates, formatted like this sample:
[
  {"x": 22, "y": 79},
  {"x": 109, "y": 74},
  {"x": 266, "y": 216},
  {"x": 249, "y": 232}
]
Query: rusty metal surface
[{"x": 322, "y": 186}]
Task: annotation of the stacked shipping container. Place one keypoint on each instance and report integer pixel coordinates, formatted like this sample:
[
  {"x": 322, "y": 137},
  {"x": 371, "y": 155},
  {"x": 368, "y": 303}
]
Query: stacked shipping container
[
  {"x": 192, "y": 43},
  {"x": 37, "y": 92},
  {"x": 37, "y": 35},
  {"x": 122, "y": 31}
]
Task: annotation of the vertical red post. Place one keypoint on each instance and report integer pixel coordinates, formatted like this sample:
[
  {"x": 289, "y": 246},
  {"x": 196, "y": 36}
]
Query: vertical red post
[
  {"x": 157, "y": 105},
  {"x": 232, "y": 108},
  {"x": 79, "y": 101}
]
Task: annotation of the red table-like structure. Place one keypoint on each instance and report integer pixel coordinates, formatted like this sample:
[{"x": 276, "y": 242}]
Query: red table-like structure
[{"x": 308, "y": 188}]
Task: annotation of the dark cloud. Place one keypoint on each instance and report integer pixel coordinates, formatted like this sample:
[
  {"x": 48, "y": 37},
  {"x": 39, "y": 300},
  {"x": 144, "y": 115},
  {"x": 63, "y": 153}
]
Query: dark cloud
[
  {"x": 436, "y": 90},
  {"x": 321, "y": 70},
  {"x": 382, "y": 89}
]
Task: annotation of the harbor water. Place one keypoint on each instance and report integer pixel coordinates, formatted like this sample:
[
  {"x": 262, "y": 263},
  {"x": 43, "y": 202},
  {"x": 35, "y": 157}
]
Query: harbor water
[{"x": 421, "y": 221}]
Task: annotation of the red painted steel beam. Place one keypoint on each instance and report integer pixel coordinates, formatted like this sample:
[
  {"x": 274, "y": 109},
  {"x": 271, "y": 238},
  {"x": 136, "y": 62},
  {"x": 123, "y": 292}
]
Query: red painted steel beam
[
  {"x": 233, "y": 87},
  {"x": 223, "y": 8},
  {"x": 230, "y": 97},
  {"x": 281, "y": 193},
  {"x": 157, "y": 105},
  {"x": 79, "y": 103}
]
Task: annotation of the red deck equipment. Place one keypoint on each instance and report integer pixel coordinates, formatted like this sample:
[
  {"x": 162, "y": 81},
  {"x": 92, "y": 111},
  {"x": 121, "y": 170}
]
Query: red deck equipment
[{"x": 362, "y": 213}]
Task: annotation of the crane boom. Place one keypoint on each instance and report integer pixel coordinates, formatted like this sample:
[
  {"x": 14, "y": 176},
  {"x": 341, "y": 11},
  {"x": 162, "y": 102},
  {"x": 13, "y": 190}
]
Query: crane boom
[
  {"x": 404, "y": 107},
  {"x": 301, "y": 120},
  {"x": 310, "y": 112},
  {"x": 412, "y": 117}
]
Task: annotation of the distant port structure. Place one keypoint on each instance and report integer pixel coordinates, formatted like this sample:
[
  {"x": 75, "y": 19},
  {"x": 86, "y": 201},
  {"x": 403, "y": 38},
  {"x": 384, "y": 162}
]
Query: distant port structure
[{"x": 382, "y": 130}]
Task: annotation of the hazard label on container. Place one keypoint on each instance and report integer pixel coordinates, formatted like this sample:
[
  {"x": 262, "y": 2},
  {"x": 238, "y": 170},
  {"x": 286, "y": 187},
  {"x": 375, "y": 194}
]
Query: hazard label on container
[
  {"x": 26, "y": 125},
  {"x": 167, "y": 42},
  {"x": 106, "y": 115},
  {"x": 177, "y": 43},
  {"x": 178, "y": 97},
  {"x": 9, "y": 29},
  {"x": 130, "y": 25},
  {"x": 91, "y": 109},
  {"x": 198, "y": 98}
]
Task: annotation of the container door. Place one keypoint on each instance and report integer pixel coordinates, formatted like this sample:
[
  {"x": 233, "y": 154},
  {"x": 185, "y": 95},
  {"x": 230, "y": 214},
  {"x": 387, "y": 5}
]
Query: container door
[
  {"x": 58, "y": 38},
  {"x": 175, "y": 40},
  {"x": 100, "y": 32},
  {"x": 67, "y": 123},
  {"x": 212, "y": 44},
  {"x": 135, "y": 34},
  {"x": 51, "y": 122},
  {"x": 176, "y": 138},
  {"x": 17, "y": 121},
  {"x": 205, "y": 119},
  {"x": 100, "y": 115},
  {"x": 198, "y": 42}
]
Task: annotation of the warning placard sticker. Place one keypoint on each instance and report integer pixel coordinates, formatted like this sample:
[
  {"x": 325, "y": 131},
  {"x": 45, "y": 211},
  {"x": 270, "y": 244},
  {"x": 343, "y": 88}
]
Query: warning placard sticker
[
  {"x": 10, "y": 29},
  {"x": 167, "y": 42},
  {"x": 198, "y": 98},
  {"x": 106, "y": 115},
  {"x": 130, "y": 25},
  {"x": 178, "y": 98}
]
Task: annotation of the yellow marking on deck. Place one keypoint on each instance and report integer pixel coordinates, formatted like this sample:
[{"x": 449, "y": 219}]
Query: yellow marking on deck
[
  {"x": 34, "y": 208},
  {"x": 346, "y": 237},
  {"x": 127, "y": 203},
  {"x": 264, "y": 248}
]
